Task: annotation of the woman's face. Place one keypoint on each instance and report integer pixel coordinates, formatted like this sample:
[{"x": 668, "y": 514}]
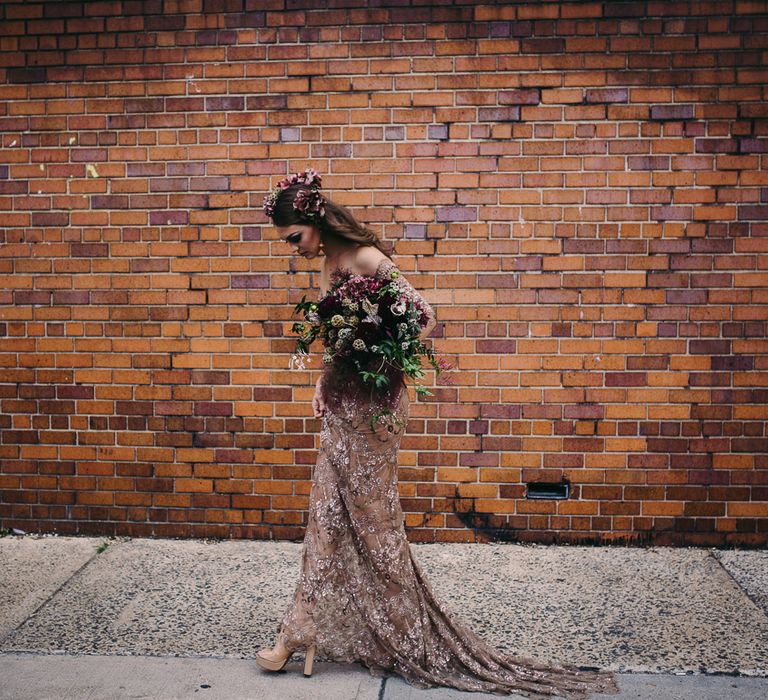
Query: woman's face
[{"x": 304, "y": 239}]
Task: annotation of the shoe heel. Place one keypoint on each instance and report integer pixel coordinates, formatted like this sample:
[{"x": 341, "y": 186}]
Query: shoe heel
[{"x": 309, "y": 661}]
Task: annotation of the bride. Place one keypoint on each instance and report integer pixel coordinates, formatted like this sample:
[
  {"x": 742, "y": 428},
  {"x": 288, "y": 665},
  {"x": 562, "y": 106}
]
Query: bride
[{"x": 361, "y": 597}]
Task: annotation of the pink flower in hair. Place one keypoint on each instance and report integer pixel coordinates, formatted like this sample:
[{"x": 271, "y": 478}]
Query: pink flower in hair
[{"x": 308, "y": 201}]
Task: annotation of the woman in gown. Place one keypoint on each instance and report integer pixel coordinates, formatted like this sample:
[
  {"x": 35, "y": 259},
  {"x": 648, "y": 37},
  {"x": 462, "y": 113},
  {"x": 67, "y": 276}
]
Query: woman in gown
[{"x": 361, "y": 597}]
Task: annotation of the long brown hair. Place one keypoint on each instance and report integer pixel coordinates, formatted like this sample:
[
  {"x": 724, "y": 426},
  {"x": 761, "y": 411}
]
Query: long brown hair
[{"x": 337, "y": 220}]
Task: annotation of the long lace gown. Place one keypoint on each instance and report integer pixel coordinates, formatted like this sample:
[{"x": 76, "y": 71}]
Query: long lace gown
[{"x": 361, "y": 596}]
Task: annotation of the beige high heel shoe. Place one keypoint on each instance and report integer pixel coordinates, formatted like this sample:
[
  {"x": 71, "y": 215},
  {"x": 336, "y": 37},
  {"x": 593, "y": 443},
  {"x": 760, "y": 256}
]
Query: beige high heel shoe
[{"x": 279, "y": 664}]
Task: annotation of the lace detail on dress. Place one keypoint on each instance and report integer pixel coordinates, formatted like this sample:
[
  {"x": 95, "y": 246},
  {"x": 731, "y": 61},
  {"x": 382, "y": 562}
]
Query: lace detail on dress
[
  {"x": 384, "y": 271},
  {"x": 362, "y": 597}
]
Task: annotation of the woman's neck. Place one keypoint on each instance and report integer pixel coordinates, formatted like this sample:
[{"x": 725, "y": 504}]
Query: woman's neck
[{"x": 335, "y": 248}]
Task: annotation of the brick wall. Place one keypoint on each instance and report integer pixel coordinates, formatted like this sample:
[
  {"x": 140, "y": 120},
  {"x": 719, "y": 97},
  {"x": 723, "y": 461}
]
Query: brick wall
[{"x": 579, "y": 188}]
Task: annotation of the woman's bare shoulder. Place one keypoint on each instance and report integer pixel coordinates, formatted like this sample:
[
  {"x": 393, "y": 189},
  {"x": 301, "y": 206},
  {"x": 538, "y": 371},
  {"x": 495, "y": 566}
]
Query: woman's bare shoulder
[{"x": 367, "y": 259}]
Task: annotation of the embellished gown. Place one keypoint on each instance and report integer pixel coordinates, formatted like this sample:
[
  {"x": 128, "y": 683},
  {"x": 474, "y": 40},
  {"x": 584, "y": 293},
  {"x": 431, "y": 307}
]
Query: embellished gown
[{"x": 361, "y": 597}]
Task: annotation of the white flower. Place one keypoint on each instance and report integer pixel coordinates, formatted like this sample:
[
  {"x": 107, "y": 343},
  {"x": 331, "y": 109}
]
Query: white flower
[
  {"x": 402, "y": 328},
  {"x": 313, "y": 317},
  {"x": 295, "y": 361},
  {"x": 358, "y": 344},
  {"x": 404, "y": 345},
  {"x": 298, "y": 359},
  {"x": 398, "y": 308},
  {"x": 345, "y": 333}
]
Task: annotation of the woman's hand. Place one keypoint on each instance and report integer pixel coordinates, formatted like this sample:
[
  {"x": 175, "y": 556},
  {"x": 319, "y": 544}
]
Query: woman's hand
[
  {"x": 426, "y": 330},
  {"x": 318, "y": 405}
]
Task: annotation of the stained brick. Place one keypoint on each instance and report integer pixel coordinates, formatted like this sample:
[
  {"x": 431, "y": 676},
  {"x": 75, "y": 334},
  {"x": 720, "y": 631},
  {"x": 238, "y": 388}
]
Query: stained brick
[
  {"x": 606, "y": 95},
  {"x": 456, "y": 213},
  {"x": 498, "y": 114},
  {"x": 626, "y": 379},
  {"x": 394, "y": 133},
  {"x": 520, "y": 97},
  {"x": 672, "y": 112},
  {"x": 90, "y": 250},
  {"x": 266, "y": 102},
  {"x": 733, "y": 363},
  {"x": 290, "y": 134},
  {"x": 210, "y": 377},
  {"x": 109, "y": 202},
  {"x": 26, "y": 75},
  {"x": 168, "y": 218},
  {"x": 224, "y": 104},
  {"x": 185, "y": 104},
  {"x": 672, "y": 213},
  {"x": 437, "y": 131},
  {"x": 59, "y": 218},
  {"x": 71, "y": 298},
  {"x": 753, "y": 212},
  {"x": 250, "y": 281},
  {"x": 686, "y": 296},
  {"x": 41, "y": 297},
  {"x": 753, "y": 145},
  {"x": 552, "y": 45},
  {"x": 717, "y": 145},
  {"x": 710, "y": 347},
  {"x": 416, "y": 231},
  {"x": 624, "y": 9},
  {"x": 648, "y": 162},
  {"x": 496, "y": 346},
  {"x": 144, "y": 105}
]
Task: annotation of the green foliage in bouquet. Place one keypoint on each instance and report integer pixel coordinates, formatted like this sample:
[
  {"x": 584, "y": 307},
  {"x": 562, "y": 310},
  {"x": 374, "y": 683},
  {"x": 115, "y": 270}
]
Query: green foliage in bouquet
[{"x": 370, "y": 325}]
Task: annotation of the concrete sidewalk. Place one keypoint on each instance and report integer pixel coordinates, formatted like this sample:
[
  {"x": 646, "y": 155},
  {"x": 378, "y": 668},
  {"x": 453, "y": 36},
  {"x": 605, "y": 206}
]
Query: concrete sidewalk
[{"x": 183, "y": 619}]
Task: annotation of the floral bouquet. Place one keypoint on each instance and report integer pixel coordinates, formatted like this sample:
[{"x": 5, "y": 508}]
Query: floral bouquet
[{"x": 371, "y": 325}]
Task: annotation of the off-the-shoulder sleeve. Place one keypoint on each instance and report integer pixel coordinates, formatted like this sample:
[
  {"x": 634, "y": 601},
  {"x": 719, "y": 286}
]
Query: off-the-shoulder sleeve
[{"x": 384, "y": 271}]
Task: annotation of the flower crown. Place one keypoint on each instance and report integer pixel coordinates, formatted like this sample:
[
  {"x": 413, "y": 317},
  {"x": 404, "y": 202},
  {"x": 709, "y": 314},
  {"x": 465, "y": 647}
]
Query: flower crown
[{"x": 309, "y": 203}]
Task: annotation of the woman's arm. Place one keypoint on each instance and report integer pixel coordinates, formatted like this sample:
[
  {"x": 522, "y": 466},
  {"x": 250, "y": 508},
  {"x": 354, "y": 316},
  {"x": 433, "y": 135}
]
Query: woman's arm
[{"x": 318, "y": 404}]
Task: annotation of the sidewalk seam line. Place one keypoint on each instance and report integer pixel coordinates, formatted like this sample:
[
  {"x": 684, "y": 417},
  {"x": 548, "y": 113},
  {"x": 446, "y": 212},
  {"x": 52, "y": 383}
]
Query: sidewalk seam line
[
  {"x": 48, "y": 599},
  {"x": 740, "y": 587}
]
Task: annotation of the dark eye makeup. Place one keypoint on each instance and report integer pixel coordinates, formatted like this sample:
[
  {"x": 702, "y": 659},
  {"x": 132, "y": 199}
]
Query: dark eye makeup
[{"x": 293, "y": 238}]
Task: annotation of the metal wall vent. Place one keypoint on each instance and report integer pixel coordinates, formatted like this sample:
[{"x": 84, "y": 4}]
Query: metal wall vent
[{"x": 548, "y": 489}]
